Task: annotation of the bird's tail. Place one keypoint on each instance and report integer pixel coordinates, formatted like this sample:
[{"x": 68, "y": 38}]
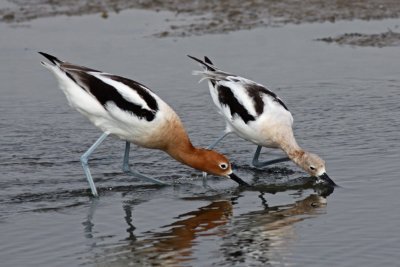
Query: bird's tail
[
  {"x": 208, "y": 61},
  {"x": 207, "y": 64},
  {"x": 55, "y": 61},
  {"x": 209, "y": 72}
]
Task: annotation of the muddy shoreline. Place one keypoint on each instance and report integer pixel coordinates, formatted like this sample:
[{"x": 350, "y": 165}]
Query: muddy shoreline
[{"x": 208, "y": 17}]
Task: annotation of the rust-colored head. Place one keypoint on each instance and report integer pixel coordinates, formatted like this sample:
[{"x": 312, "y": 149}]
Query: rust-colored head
[
  {"x": 206, "y": 160},
  {"x": 215, "y": 163}
]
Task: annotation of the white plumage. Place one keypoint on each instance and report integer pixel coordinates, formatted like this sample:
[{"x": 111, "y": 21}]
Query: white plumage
[
  {"x": 109, "y": 117},
  {"x": 258, "y": 115},
  {"x": 131, "y": 111}
]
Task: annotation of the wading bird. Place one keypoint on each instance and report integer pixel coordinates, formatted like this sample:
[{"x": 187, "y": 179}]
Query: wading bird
[
  {"x": 132, "y": 112},
  {"x": 258, "y": 115}
]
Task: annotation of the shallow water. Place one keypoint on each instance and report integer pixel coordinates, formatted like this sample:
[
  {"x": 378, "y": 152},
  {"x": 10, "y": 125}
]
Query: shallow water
[{"x": 346, "y": 106}]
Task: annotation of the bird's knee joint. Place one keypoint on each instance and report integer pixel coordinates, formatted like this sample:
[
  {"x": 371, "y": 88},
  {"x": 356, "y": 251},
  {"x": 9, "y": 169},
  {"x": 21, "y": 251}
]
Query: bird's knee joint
[{"x": 84, "y": 160}]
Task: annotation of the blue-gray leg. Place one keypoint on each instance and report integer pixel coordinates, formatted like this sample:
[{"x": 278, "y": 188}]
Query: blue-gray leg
[
  {"x": 146, "y": 178},
  {"x": 125, "y": 166},
  {"x": 218, "y": 140},
  {"x": 259, "y": 164},
  {"x": 84, "y": 161},
  {"x": 127, "y": 169}
]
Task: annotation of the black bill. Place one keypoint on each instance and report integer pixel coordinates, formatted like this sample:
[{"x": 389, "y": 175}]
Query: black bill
[
  {"x": 324, "y": 177},
  {"x": 238, "y": 180}
]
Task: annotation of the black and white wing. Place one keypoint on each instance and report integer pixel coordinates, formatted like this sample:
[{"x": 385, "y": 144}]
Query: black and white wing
[
  {"x": 114, "y": 93},
  {"x": 238, "y": 98}
]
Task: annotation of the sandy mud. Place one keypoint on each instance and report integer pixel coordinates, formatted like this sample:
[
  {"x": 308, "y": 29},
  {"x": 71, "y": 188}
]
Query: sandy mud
[{"x": 204, "y": 17}]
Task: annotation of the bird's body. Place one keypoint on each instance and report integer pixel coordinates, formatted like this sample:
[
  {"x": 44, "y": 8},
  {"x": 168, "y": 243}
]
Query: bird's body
[
  {"x": 258, "y": 115},
  {"x": 119, "y": 106},
  {"x": 129, "y": 110},
  {"x": 250, "y": 110}
]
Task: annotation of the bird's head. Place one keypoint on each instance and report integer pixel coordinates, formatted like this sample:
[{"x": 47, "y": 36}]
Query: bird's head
[
  {"x": 217, "y": 164},
  {"x": 313, "y": 165}
]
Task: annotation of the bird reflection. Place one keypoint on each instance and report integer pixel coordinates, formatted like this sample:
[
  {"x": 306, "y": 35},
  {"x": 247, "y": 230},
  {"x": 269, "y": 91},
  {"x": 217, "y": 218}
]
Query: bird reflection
[
  {"x": 260, "y": 236},
  {"x": 172, "y": 247},
  {"x": 180, "y": 236},
  {"x": 263, "y": 237}
]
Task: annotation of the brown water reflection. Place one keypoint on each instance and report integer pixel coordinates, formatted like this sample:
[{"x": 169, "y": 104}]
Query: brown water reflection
[
  {"x": 249, "y": 236},
  {"x": 172, "y": 247},
  {"x": 175, "y": 246}
]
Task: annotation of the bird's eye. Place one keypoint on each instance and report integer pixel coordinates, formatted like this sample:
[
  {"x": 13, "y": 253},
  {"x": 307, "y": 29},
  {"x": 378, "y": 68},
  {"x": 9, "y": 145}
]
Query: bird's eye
[
  {"x": 223, "y": 166},
  {"x": 312, "y": 168}
]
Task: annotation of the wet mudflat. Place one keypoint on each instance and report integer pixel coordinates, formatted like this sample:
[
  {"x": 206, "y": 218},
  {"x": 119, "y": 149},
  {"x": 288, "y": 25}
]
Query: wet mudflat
[
  {"x": 345, "y": 101},
  {"x": 205, "y": 17}
]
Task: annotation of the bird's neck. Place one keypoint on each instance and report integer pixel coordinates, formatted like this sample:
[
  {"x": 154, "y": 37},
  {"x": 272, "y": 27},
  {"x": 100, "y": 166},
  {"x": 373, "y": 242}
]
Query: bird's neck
[
  {"x": 292, "y": 149},
  {"x": 178, "y": 145},
  {"x": 184, "y": 152}
]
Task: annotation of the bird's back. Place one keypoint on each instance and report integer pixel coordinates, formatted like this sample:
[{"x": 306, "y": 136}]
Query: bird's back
[
  {"x": 251, "y": 111},
  {"x": 115, "y": 104},
  {"x": 249, "y": 108}
]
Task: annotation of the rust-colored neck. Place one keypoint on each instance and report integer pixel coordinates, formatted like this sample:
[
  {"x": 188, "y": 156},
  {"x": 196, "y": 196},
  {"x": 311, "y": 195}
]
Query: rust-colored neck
[
  {"x": 184, "y": 152},
  {"x": 178, "y": 146}
]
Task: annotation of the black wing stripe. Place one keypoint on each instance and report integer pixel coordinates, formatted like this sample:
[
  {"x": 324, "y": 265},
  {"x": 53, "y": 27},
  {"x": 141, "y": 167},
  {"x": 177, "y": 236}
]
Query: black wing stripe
[
  {"x": 71, "y": 67},
  {"x": 255, "y": 90},
  {"x": 227, "y": 98},
  {"x": 51, "y": 58},
  {"x": 71, "y": 77},
  {"x": 281, "y": 102},
  {"x": 105, "y": 93},
  {"x": 205, "y": 64},
  {"x": 208, "y": 61},
  {"x": 255, "y": 94},
  {"x": 148, "y": 98}
]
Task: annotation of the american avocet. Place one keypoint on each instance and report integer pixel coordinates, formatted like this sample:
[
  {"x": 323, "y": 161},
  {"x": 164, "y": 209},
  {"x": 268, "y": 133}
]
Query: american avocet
[
  {"x": 258, "y": 115},
  {"x": 132, "y": 112}
]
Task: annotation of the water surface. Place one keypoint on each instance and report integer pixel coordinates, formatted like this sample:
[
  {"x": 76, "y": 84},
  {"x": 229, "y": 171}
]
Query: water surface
[{"x": 345, "y": 102}]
